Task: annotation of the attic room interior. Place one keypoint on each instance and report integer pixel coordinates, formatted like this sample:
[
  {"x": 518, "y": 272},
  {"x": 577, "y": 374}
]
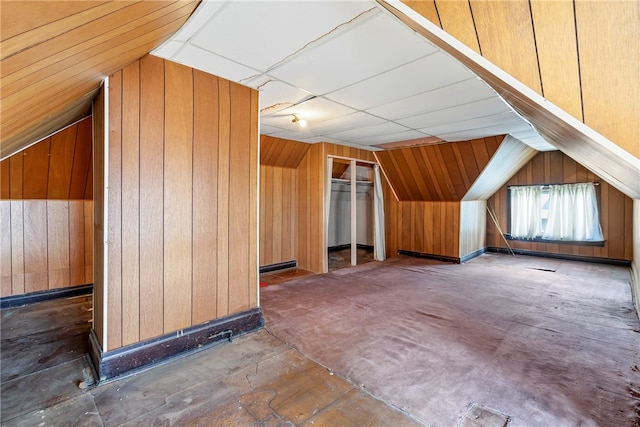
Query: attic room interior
[{"x": 179, "y": 178}]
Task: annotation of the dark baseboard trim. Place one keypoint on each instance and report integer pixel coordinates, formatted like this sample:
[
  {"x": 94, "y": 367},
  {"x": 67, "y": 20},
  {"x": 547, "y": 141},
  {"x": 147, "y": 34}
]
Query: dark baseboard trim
[
  {"x": 33, "y": 297},
  {"x": 608, "y": 261},
  {"x": 278, "y": 266},
  {"x": 146, "y": 354},
  {"x": 443, "y": 258},
  {"x": 348, "y": 245},
  {"x": 472, "y": 255}
]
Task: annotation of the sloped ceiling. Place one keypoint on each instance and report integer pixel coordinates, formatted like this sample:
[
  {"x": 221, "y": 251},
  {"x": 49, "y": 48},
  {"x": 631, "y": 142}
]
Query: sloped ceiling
[
  {"x": 55, "y": 55},
  {"x": 356, "y": 74}
]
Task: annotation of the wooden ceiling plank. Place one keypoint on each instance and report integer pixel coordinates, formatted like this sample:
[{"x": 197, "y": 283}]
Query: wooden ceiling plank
[
  {"x": 496, "y": 44},
  {"x": 66, "y": 82},
  {"x": 456, "y": 19},
  {"x": 81, "y": 40},
  {"x": 39, "y": 35},
  {"x": 5, "y": 180},
  {"x": 558, "y": 53},
  {"x": 19, "y": 17},
  {"x": 92, "y": 54},
  {"x": 426, "y": 8}
]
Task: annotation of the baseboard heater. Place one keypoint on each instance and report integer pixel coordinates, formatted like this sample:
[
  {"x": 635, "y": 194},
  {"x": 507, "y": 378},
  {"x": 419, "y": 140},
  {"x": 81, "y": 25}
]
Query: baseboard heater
[
  {"x": 13, "y": 301},
  {"x": 348, "y": 246},
  {"x": 278, "y": 266}
]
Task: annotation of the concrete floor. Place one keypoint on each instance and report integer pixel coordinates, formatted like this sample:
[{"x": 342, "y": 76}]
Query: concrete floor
[{"x": 408, "y": 342}]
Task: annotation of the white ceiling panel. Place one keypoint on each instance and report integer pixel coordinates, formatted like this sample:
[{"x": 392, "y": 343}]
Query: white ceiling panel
[
  {"x": 362, "y": 133},
  {"x": 459, "y": 113},
  {"x": 422, "y": 75},
  {"x": 354, "y": 72},
  {"x": 354, "y": 56},
  {"x": 276, "y": 96},
  {"x": 440, "y": 98},
  {"x": 343, "y": 123},
  {"x": 263, "y": 33},
  {"x": 206, "y": 61}
]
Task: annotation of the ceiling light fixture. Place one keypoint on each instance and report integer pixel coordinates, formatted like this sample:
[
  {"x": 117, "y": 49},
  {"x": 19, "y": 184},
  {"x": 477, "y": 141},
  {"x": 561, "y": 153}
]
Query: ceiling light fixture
[{"x": 298, "y": 120}]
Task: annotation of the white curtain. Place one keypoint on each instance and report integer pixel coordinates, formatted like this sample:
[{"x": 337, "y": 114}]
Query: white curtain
[
  {"x": 378, "y": 216},
  {"x": 525, "y": 211},
  {"x": 327, "y": 210},
  {"x": 573, "y": 213}
]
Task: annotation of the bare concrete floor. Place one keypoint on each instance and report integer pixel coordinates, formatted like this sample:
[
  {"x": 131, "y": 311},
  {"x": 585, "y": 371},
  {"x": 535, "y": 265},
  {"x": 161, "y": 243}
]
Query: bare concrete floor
[
  {"x": 408, "y": 342},
  {"x": 543, "y": 341}
]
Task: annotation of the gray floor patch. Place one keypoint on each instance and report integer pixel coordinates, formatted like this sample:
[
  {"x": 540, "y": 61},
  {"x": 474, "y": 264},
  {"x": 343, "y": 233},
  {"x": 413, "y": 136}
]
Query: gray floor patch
[{"x": 480, "y": 416}]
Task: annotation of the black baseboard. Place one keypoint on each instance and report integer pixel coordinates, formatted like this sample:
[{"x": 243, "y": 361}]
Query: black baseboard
[
  {"x": 473, "y": 255},
  {"x": 146, "y": 354},
  {"x": 278, "y": 266},
  {"x": 567, "y": 257},
  {"x": 33, "y": 297},
  {"x": 436, "y": 257}
]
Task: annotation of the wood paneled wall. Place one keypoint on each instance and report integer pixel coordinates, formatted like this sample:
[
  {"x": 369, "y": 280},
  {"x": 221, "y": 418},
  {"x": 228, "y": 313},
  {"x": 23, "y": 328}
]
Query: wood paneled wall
[
  {"x": 279, "y": 152},
  {"x": 55, "y": 55},
  {"x": 311, "y": 239},
  {"x": 182, "y": 210},
  {"x": 45, "y": 244},
  {"x": 348, "y": 152},
  {"x": 441, "y": 172},
  {"x": 425, "y": 227},
  {"x": 278, "y": 214},
  {"x": 58, "y": 167},
  {"x": 559, "y": 49},
  {"x": 616, "y": 209}
]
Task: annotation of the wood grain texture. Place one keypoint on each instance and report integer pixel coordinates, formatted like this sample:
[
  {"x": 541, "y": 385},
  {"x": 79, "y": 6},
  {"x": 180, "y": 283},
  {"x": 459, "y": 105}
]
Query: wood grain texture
[
  {"x": 99, "y": 157},
  {"x": 442, "y": 172},
  {"x": 6, "y": 269},
  {"x": 559, "y": 49},
  {"x": 58, "y": 266},
  {"x": 56, "y": 54},
  {"x": 557, "y": 168},
  {"x": 131, "y": 203},
  {"x": 205, "y": 209},
  {"x": 186, "y": 138},
  {"x": 279, "y": 152},
  {"x": 178, "y": 196},
  {"x": 56, "y": 168},
  {"x": 473, "y": 226},
  {"x": 278, "y": 214},
  {"x": 310, "y": 209}
]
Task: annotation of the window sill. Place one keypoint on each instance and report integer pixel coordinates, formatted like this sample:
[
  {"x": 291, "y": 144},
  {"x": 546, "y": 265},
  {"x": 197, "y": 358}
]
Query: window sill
[{"x": 559, "y": 242}]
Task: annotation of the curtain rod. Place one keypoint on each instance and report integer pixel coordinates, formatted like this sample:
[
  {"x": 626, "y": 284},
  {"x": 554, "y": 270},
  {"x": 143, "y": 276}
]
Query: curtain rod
[{"x": 549, "y": 185}]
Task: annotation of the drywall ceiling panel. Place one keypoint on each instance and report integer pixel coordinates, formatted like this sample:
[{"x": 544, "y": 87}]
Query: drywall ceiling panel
[
  {"x": 440, "y": 98},
  {"x": 505, "y": 119},
  {"x": 275, "y": 96},
  {"x": 196, "y": 57},
  {"x": 391, "y": 137},
  {"x": 265, "y": 33},
  {"x": 426, "y": 73},
  {"x": 459, "y": 113},
  {"x": 354, "y": 55},
  {"x": 343, "y": 123},
  {"x": 363, "y": 133}
]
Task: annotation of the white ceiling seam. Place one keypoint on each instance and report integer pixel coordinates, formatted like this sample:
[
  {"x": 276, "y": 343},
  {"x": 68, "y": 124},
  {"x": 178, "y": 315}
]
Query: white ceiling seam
[{"x": 372, "y": 78}]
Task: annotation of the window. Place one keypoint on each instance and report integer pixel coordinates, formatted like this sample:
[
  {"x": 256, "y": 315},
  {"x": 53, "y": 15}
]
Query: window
[{"x": 564, "y": 213}]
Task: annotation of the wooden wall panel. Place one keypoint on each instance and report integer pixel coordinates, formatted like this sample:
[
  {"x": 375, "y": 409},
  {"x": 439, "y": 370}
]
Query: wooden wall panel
[
  {"x": 441, "y": 172},
  {"x": 56, "y": 168},
  {"x": 311, "y": 244},
  {"x": 280, "y": 152},
  {"x": 557, "y": 168},
  {"x": 189, "y": 200},
  {"x": 55, "y": 56},
  {"x": 43, "y": 245},
  {"x": 349, "y": 152},
  {"x": 99, "y": 120},
  {"x": 559, "y": 49},
  {"x": 278, "y": 214}
]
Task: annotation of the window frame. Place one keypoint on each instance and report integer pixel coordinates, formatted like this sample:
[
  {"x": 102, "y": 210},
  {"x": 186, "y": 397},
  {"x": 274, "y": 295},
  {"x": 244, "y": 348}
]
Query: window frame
[{"x": 508, "y": 236}]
